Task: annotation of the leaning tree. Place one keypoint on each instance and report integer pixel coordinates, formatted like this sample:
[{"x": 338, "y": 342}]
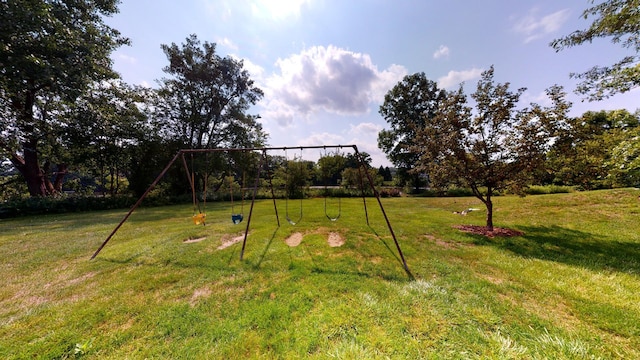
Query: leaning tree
[
  {"x": 50, "y": 51},
  {"x": 492, "y": 148}
]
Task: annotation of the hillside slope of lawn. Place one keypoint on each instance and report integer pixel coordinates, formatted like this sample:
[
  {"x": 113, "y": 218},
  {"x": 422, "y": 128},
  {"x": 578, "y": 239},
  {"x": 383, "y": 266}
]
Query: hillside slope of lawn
[{"x": 568, "y": 288}]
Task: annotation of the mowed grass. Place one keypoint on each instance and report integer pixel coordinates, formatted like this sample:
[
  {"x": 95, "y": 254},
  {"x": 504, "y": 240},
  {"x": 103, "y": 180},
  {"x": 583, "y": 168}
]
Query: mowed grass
[{"x": 569, "y": 288}]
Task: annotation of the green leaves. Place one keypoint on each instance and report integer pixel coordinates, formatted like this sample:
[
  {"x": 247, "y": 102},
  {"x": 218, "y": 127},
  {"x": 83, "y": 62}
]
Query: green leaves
[
  {"x": 619, "y": 20},
  {"x": 407, "y": 107},
  {"x": 53, "y": 51},
  {"x": 205, "y": 101},
  {"x": 494, "y": 147}
]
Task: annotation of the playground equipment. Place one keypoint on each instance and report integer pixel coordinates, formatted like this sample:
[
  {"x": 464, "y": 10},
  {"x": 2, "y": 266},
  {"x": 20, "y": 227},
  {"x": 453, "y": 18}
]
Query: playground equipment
[
  {"x": 289, "y": 186},
  {"x": 199, "y": 213},
  {"x": 263, "y": 159},
  {"x": 326, "y": 177},
  {"x": 236, "y": 217}
]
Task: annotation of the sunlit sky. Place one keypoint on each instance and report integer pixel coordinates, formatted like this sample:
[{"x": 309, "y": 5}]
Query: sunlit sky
[{"x": 325, "y": 65}]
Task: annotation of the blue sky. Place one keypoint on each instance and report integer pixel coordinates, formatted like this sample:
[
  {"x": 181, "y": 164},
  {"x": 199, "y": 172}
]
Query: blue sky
[{"x": 325, "y": 65}]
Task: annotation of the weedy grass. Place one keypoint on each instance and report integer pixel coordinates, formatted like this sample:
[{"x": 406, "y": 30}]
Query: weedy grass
[{"x": 162, "y": 287}]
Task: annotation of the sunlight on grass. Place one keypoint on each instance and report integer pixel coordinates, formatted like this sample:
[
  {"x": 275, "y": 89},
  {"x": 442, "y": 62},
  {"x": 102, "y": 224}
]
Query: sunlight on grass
[{"x": 565, "y": 289}]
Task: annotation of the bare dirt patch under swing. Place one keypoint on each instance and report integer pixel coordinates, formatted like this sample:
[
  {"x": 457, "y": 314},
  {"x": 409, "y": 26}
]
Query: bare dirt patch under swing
[
  {"x": 294, "y": 239},
  {"x": 334, "y": 239}
]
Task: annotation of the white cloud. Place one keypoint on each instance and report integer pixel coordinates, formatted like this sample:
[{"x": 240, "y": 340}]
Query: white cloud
[
  {"x": 256, "y": 71},
  {"x": 443, "y": 51},
  {"x": 226, "y": 42},
  {"x": 330, "y": 79},
  {"x": 540, "y": 98},
  {"x": 365, "y": 128},
  {"x": 277, "y": 9},
  {"x": 454, "y": 78},
  {"x": 533, "y": 26},
  {"x": 126, "y": 58},
  {"x": 318, "y": 139}
]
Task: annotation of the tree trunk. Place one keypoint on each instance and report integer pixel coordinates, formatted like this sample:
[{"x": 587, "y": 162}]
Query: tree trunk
[
  {"x": 28, "y": 164},
  {"x": 489, "y": 204},
  {"x": 59, "y": 180},
  {"x": 31, "y": 170}
]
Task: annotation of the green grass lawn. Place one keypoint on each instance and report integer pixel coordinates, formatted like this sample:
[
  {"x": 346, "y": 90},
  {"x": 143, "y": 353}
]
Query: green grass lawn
[{"x": 569, "y": 288}]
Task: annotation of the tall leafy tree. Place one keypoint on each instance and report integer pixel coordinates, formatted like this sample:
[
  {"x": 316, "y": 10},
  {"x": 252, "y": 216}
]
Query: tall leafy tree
[
  {"x": 50, "y": 51},
  {"x": 624, "y": 162},
  {"x": 582, "y": 154},
  {"x": 104, "y": 125},
  {"x": 204, "y": 103},
  {"x": 493, "y": 148},
  {"x": 407, "y": 106},
  {"x": 205, "y": 100},
  {"x": 330, "y": 167},
  {"x": 620, "y": 21}
]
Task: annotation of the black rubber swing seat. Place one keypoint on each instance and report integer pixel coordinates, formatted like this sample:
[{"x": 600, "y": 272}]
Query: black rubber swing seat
[{"x": 237, "y": 218}]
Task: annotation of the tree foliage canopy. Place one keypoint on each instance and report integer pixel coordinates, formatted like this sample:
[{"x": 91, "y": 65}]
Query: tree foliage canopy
[
  {"x": 492, "y": 148},
  {"x": 50, "y": 52},
  {"x": 619, "y": 20},
  {"x": 204, "y": 103},
  {"x": 595, "y": 150},
  {"x": 407, "y": 106}
]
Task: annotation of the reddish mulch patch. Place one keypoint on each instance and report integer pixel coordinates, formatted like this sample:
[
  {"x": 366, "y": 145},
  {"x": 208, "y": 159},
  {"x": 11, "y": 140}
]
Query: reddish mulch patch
[{"x": 482, "y": 230}]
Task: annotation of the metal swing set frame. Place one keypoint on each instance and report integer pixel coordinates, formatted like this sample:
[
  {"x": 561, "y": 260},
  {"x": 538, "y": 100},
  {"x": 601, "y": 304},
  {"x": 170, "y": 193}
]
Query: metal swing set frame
[{"x": 263, "y": 158}]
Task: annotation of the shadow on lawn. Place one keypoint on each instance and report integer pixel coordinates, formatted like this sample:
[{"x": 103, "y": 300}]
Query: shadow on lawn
[{"x": 572, "y": 247}]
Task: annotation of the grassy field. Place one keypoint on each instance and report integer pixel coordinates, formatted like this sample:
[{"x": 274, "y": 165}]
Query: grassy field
[{"x": 569, "y": 288}]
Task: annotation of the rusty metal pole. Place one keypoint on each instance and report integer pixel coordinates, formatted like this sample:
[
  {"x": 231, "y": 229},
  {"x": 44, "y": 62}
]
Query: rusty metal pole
[
  {"x": 253, "y": 200},
  {"x": 384, "y": 213},
  {"x": 135, "y": 206},
  {"x": 273, "y": 195}
]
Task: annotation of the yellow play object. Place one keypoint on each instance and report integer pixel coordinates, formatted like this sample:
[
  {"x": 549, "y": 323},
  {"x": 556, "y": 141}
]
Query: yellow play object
[{"x": 199, "y": 218}]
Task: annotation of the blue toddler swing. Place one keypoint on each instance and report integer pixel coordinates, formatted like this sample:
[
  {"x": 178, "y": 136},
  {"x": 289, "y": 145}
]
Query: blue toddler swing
[{"x": 237, "y": 218}]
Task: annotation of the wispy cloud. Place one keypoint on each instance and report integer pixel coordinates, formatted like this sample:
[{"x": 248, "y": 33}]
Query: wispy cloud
[
  {"x": 277, "y": 10},
  {"x": 227, "y": 43},
  {"x": 324, "y": 138},
  {"x": 454, "y": 78},
  {"x": 442, "y": 52},
  {"x": 534, "y": 26},
  {"x": 365, "y": 128},
  {"x": 126, "y": 58},
  {"x": 326, "y": 79}
]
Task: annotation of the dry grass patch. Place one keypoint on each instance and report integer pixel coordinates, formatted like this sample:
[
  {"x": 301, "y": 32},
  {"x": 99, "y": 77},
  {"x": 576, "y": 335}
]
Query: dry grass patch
[
  {"x": 194, "y": 240},
  {"x": 228, "y": 240},
  {"x": 445, "y": 244},
  {"x": 203, "y": 292}
]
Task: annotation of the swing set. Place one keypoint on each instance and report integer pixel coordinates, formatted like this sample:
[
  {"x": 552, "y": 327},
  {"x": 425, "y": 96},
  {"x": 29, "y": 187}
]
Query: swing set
[{"x": 199, "y": 217}]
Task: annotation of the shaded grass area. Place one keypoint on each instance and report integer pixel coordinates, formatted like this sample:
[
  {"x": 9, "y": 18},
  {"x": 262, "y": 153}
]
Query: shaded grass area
[{"x": 566, "y": 289}]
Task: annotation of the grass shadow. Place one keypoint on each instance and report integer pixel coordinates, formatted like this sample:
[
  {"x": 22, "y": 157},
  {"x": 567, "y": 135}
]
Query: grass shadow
[
  {"x": 266, "y": 248},
  {"x": 572, "y": 247},
  {"x": 394, "y": 253}
]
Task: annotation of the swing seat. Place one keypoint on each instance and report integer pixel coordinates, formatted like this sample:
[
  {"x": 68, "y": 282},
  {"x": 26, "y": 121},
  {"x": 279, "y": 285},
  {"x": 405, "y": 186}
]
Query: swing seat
[
  {"x": 199, "y": 218},
  {"x": 237, "y": 218},
  {"x": 333, "y": 218}
]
